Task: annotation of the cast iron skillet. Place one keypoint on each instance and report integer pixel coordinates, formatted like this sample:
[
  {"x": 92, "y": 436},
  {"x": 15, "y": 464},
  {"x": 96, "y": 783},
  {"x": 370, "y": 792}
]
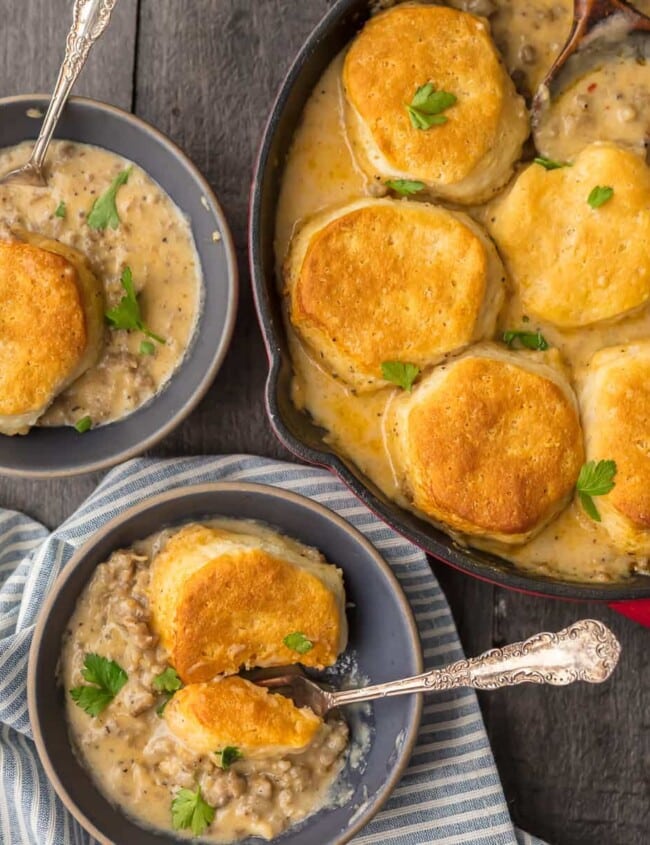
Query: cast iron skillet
[{"x": 294, "y": 428}]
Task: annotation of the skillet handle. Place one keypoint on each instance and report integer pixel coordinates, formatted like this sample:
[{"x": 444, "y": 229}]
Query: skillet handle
[{"x": 638, "y": 610}]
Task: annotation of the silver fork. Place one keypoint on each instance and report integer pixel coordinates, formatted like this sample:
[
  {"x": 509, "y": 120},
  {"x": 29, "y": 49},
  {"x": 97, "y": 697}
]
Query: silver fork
[
  {"x": 90, "y": 19},
  {"x": 585, "y": 651}
]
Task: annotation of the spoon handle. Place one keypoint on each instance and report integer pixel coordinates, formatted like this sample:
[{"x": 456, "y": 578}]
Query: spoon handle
[
  {"x": 585, "y": 651},
  {"x": 90, "y": 19}
]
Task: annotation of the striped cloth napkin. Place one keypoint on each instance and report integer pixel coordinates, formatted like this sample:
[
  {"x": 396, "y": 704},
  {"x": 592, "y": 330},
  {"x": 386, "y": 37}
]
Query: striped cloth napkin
[{"x": 451, "y": 792}]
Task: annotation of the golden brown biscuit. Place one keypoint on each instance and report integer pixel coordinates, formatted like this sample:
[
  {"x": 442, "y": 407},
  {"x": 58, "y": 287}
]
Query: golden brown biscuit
[
  {"x": 575, "y": 265},
  {"x": 469, "y": 157},
  {"x": 489, "y": 444},
  {"x": 389, "y": 280},
  {"x": 615, "y": 400},
  {"x": 221, "y": 600},
  {"x": 51, "y": 326},
  {"x": 236, "y": 713}
]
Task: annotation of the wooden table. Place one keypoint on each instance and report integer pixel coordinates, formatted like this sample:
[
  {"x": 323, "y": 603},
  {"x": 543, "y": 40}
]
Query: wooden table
[{"x": 574, "y": 762}]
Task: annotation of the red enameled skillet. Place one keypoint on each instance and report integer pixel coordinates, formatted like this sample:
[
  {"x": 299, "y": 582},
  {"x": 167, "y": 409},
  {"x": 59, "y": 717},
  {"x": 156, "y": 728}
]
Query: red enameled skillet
[{"x": 294, "y": 428}]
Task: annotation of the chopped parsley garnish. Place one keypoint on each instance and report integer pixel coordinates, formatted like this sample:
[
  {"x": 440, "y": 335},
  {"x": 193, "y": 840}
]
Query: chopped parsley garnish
[
  {"x": 190, "y": 811},
  {"x": 403, "y": 375},
  {"x": 60, "y": 210},
  {"x": 298, "y": 642},
  {"x": 104, "y": 210},
  {"x": 595, "y": 479},
  {"x": 529, "y": 340},
  {"x": 229, "y": 755},
  {"x": 126, "y": 314},
  {"x": 166, "y": 682},
  {"x": 550, "y": 163},
  {"x": 426, "y": 107},
  {"x": 107, "y": 678},
  {"x": 405, "y": 187},
  {"x": 83, "y": 425},
  {"x": 147, "y": 348},
  {"x": 600, "y": 195}
]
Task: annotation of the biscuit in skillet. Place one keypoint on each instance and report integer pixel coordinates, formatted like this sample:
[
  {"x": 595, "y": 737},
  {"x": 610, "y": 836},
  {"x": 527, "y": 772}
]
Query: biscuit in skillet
[
  {"x": 472, "y": 155},
  {"x": 489, "y": 444},
  {"x": 389, "y": 280},
  {"x": 615, "y": 402},
  {"x": 572, "y": 264}
]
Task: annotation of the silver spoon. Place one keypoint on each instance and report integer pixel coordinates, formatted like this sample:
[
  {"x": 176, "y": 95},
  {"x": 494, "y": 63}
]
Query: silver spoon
[
  {"x": 585, "y": 651},
  {"x": 90, "y": 19}
]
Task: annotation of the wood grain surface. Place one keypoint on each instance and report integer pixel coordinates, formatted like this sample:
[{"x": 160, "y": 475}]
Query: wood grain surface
[{"x": 574, "y": 762}]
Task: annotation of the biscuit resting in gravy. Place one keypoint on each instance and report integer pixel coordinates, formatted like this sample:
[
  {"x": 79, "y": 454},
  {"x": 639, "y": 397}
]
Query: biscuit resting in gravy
[
  {"x": 235, "y": 712},
  {"x": 575, "y": 265},
  {"x": 470, "y": 156},
  {"x": 51, "y": 326},
  {"x": 390, "y": 280},
  {"x": 489, "y": 444},
  {"x": 221, "y": 600},
  {"x": 615, "y": 400}
]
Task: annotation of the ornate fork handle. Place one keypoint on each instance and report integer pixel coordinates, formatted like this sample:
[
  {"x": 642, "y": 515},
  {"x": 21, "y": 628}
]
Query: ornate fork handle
[
  {"x": 90, "y": 19},
  {"x": 586, "y": 651}
]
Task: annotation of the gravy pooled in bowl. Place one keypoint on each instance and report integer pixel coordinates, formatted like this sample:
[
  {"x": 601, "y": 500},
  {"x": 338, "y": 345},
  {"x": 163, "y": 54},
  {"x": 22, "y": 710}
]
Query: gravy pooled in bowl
[
  {"x": 220, "y": 758},
  {"x": 140, "y": 247}
]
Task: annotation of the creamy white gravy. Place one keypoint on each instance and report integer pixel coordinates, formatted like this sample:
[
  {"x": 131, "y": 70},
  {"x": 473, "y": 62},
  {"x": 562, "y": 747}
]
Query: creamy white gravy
[
  {"x": 320, "y": 171},
  {"x": 140, "y": 765},
  {"x": 154, "y": 239}
]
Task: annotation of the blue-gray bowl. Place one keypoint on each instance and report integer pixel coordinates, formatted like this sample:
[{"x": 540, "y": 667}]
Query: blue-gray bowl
[
  {"x": 382, "y": 634},
  {"x": 48, "y": 452}
]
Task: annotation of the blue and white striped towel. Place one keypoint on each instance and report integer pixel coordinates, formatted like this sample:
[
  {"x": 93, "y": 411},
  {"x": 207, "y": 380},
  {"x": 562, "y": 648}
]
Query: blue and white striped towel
[{"x": 450, "y": 794}]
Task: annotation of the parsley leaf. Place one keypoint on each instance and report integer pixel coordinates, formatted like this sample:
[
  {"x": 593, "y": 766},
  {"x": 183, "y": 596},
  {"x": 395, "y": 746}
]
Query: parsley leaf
[
  {"x": 405, "y": 187},
  {"x": 168, "y": 683},
  {"x": 403, "y": 375},
  {"x": 147, "y": 348},
  {"x": 126, "y": 314},
  {"x": 108, "y": 678},
  {"x": 228, "y": 756},
  {"x": 595, "y": 479},
  {"x": 426, "y": 107},
  {"x": 529, "y": 340},
  {"x": 60, "y": 210},
  {"x": 550, "y": 163},
  {"x": 600, "y": 195},
  {"x": 298, "y": 642},
  {"x": 189, "y": 810},
  {"x": 83, "y": 425},
  {"x": 104, "y": 210}
]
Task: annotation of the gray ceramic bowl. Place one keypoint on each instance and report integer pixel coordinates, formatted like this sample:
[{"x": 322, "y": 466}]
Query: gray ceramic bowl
[
  {"x": 62, "y": 451},
  {"x": 382, "y": 634}
]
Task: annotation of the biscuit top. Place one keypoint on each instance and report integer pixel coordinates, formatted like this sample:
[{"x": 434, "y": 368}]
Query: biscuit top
[
  {"x": 406, "y": 47},
  {"x": 491, "y": 447},
  {"x": 573, "y": 264},
  {"x": 234, "y": 712},
  {"x": 389, "y": 280},
  {"x": 42, "y": 326},
  {"x": 220, "y": 601},
  {"x": 621, "y": 427}
]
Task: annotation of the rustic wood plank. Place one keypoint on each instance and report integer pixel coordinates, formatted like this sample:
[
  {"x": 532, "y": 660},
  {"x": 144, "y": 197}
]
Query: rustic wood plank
[
  {"x": 33, "y": 41},
  {"x": 574, "y": 761},
  {"x": 207, "y": 74}
]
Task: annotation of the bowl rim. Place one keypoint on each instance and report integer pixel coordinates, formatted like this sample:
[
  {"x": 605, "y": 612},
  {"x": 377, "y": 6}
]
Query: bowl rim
[
  {"x": 179, "y": 493},
  {"x": 447, "y": 552},
  {"x": 221, "y": 351}
]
